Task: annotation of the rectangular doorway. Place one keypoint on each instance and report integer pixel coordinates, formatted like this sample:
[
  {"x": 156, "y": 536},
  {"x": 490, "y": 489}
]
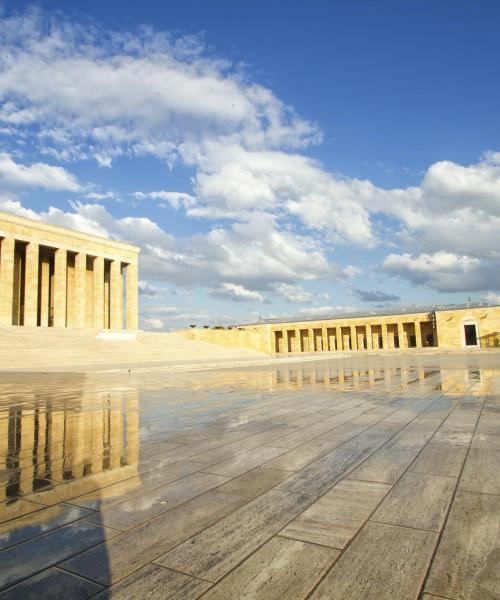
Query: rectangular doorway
[{"x": 470, "y": 335}]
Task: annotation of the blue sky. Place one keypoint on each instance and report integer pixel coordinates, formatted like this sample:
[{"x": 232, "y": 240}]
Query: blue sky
[{"x": 270, "y": 158}]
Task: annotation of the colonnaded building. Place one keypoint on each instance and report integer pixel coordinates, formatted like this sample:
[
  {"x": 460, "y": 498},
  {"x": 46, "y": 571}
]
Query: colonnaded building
[
  {"x": 447, "y": 328},
  {"x": 55, "y": 277}
]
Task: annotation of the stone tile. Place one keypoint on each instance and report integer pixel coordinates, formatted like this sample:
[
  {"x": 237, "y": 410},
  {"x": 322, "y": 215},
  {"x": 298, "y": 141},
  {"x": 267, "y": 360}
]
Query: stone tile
[
  {"x": 241, "y": 463},
  {"x": 386, "y": 466},
  {"x": 154, "y": 582},
  {"x": 157, "y": 448},
  {"x": 440, "y": 459},
  {"x": 233, "y": 448},
  {"x": 131, "y": 550},
  {"x": 44, "y": 551},
  {"x": 254, "y": 482},
  {"x": 52, "y": 584},
  {"x": 300, "y": 457},
  {"x": 481, "y": 473},
  {"x": 132, "y": 512},
  {"x": 78, "y": 487},
  {"x": 335, "y": 518},
  {"x": 39, "y": 522},
  {"x": 466, "y": 562},
  {"x": 320, "y": 476},
  {"x": 18, "y": 508},
  {"x": 281, "y": 569},
  {"x": 215, "y": 551},
  {"x": 134, "y": 486},
  {"x": 383, "y": 561},
  {"x": 418, "y": 500}
]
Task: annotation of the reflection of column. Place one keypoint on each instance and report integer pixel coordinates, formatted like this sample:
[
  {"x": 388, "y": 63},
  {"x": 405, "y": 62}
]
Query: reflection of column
[
  {"x": 98, "y": 417},
  {"x": 338, "y": 338},
  {"x": 4, "y": 448},
  {"x": 418, "y": 334},
  {"x": 6, "y": 280},
  {"x": 354, "y": 341},
  {"x": 369, "y": 339},
  {"x": 27, "y": 442},
  {"x": 116, "y": 304},
  {"x": 56, "y": 444},
  {"x": 132, "y": 450},
  {"x": 31, "y": 285},
  {"x": 385, "y": 344},
  {"x": 60, "y": 283},
  {"x": 98, "y": 292},
  {"x": 401, "y": 336},
  {"x": 41, "y": 441},
  {"x": 116, "y": 434},
  {"x": 132, "y": 295},
  {"x": 80, "y": 294}
]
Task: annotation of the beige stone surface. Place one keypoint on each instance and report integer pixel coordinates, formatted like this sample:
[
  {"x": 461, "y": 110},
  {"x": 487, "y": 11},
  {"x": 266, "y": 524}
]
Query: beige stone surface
[{"x": 51, "y": 276}]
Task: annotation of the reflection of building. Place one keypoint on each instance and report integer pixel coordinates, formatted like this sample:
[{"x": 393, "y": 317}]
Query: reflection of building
[
  {"x": 50, "y": 276},
  {"x": 446, "y": 328},
  {"x": 48, "y": 444}
]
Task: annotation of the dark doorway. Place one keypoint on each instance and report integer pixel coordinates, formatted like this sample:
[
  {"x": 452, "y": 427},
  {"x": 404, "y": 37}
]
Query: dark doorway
[{"x": 470, "y": 335}]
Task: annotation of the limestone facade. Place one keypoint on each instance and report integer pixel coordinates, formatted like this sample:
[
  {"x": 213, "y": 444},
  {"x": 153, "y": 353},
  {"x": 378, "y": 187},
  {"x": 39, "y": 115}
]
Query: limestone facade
[
  {"x": 448, "y": 329},
  {"x": 55, "y": 277}
]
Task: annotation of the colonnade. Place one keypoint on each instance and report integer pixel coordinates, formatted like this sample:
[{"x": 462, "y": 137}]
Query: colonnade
[
  {"x": 311, "y": 337},
  {"x": 47, "y": 286}
]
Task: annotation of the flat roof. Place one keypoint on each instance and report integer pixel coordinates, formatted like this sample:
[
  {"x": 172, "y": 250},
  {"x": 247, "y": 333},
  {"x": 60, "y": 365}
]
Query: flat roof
[
  {"x": 381, "y": 313},
  {"x": 40, "y": 224}
]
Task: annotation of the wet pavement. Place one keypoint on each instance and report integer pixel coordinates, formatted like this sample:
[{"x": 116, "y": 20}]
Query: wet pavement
[{"x": 365, "y": 477}]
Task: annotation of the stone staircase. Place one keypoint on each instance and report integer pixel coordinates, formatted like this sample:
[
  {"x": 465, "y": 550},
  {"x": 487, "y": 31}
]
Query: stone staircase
[{"x": 55, "y": 349}]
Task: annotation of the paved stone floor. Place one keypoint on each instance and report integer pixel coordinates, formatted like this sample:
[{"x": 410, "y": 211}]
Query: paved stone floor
[{"x": 364, "y": 478}]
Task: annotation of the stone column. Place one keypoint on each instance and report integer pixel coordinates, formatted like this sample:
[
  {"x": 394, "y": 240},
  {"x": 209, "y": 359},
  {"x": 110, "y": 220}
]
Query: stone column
[
  {"x": 80, "y": 293},
  {"x": 418, "y": 334},
  {"x": 98, "y": 292},
  {"x": 297, "y": 341},
  {"x": 44, "y": 291},
  {"x": 401, "y": 336},
  {"x": 31, "y": 285},
  {"x": 369, "y": 338},
  {"x": 6, "y": 280},
  {"x": 60, "y": 287},
  {"x": 338, "y": 338},
  {"x": 385, "y": 344},
  {"x": 116, "y": 302},
  {"x": 132, "y": 295},
  {"x": 310, "y": 335},
  {"x": 324, "y": 339},
  {"x": 354, "y": 341}
]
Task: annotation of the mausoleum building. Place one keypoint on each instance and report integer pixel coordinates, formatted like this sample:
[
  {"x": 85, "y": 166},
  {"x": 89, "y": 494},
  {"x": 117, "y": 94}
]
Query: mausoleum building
[{"x": 51, "y": 276}]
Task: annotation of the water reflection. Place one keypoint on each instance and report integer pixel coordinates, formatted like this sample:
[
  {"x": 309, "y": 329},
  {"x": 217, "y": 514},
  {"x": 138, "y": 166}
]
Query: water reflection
[
  {"x": 57, "y": 430},
  {"x": 87, "y": 458}
]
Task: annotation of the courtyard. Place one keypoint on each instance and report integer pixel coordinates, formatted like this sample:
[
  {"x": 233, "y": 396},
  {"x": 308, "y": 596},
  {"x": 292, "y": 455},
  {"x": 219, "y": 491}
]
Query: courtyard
[{"x": 363, "y": 477}]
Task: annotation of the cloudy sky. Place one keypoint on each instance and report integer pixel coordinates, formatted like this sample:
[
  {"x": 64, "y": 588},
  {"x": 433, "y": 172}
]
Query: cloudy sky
[{"x": 270, "y": 158}]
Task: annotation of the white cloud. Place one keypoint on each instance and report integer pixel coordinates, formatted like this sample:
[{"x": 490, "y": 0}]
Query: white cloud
[
  {"x": 174, "y": 199},
  {"x": 445, "y": 271},
  {"x": 95, "y": 93},
  {"x": 326, "y": 311},
  {"x": 236, "y": 293},
  {"x": 38, "y": 175},
  {"x": 293, "y": 293}
]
